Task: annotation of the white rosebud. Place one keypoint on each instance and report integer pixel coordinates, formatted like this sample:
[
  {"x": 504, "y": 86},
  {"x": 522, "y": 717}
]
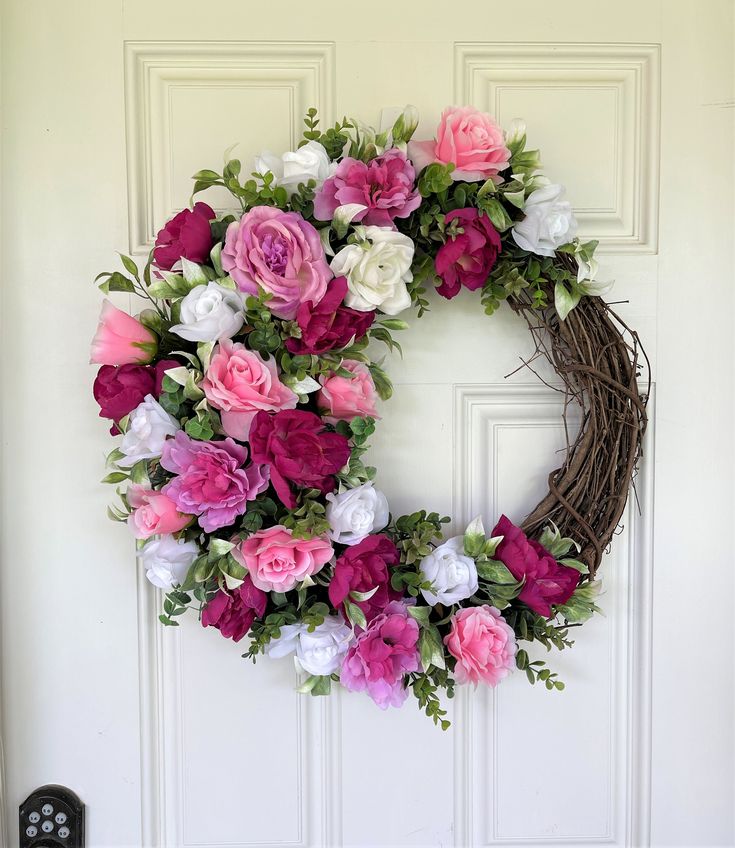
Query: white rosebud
[
  {"x": 167, "y": 560},
  {"x": 209, "y": 314},
  {"x": 310, "y": 162},
  {"x": 377, "y": 270},
  {"x": 320, "y": 652},
  {"x": 549, "y": 222},
  {"x": 356, "y": 513},
  {"x": 453, "y": 575},
  {"x": 148, "y": 427}
]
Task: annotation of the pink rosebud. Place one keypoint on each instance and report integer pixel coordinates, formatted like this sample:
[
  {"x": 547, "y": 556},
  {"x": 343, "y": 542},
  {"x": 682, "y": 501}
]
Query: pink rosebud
[
  {"x": 344, "y": 398},
  {"x": 121, "y": 339},
  {"x": 484, "y": 645},
  {"x": 153, "y": 513}
]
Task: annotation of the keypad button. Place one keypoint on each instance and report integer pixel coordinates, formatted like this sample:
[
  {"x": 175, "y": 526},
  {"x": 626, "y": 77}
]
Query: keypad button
[
  {"x": 31, "y": 830},
  {"x": 63, "y": 832},
  {"x": 60, "y": 818},
  {"x": 47, "y": 810},
  {"x": 47, "y": 826},
  {"x": 34, "y": 817}
]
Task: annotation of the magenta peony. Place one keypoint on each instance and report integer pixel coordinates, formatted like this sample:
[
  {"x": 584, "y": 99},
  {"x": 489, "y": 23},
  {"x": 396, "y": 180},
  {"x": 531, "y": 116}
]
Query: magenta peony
[
  {"x": 299, "y": 451},
  {"x": 547, "y": 582},
  {"x": 118, "y": 390},
  {"x": 483, "y": 643},
  {"x": 211, "y": 481},
  {"x": 233, "y": 614},
  {"x": 186, "y": 235},
  {"x": 344, "y": 398},
  {"x": 384, "y": 186},
  {"x": 363, "y": 567},
  {"x": 467, "y": 259},
  {"x": 121, "y": 339}
]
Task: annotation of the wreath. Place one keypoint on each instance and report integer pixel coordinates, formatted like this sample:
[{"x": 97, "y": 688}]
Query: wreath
[{"x": 245, "y": 395}]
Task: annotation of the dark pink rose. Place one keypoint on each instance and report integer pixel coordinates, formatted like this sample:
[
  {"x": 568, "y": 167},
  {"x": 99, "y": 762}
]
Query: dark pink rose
[
  {"x": 467, "y": 259},
  {"x": 328, "y": 325},
  {"x": 547, "y": 581},
  {"x": 186, "y": 234},
  {"x": 361, "y": 568},
  {"x": 299, "y": 450},
  {"x": 233, "y": 613},
  {"x": 118, "y": 390},
  {"x": 385, "y": 186}
]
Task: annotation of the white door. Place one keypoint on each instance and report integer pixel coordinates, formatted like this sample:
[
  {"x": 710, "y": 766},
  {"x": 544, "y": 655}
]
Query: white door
[{"x": 169, "y": 737}]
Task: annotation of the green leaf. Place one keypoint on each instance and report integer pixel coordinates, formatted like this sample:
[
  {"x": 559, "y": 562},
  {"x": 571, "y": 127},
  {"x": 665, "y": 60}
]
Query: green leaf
[
  {"x": 431, "y": 648},
  {"x": 494, "y": 571},
  {"x": 129, "y": 265},
  {"x": 115, "y": 477},
  {"x": 220, "y": 547},
  {"x": 421, "y": 614},
  {"x": 355, "y": 615},
  {"x": 495, "y": 211},
  {"x": 565, "y": 300},
  {"x": 474, "y": 537},
  {"x": 577, "y": 564}
]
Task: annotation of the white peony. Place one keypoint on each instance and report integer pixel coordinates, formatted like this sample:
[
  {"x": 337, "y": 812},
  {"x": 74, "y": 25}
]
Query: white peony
[
  {"x": 320, "y": 652},
  {"x": 377, "y": 270},
  {"x": 549, "y": 221},
  {"x": 453, "y": 575},
  {"x": 167, "y": 560},
  {"x": 209, "y": 314},
  {"x": 356, "y": 513},
  {"x": 310, "y": 162},
  {"x": 148, "y": 427}
]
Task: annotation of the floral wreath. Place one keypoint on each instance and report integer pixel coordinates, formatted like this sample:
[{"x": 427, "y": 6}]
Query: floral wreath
[{"x": 245, "y": 395}]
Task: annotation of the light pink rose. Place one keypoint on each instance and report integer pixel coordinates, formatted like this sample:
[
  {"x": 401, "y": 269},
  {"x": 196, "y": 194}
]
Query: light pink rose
[
  {"x": 121, "y": 339},
  {"x": 344, "y": 398},
  {"x": 470, "y": 139},
  {"x": 240, "y": 383},
  {"x": 153, "y": 513},
  {"x": 280, "y": 253},
  {"x": 484, "y": 645},
  {"x": 276, "y": 561}
]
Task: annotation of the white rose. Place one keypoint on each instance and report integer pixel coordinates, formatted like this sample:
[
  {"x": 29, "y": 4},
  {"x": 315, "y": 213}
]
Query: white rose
[
  {"x": 453, "y": 575},
  {"x": 549, "y": 221},
  {"x": 148, "y": 427},
  {"x": 377, "y": 270},
  {"x": 166, "y": 560},
  {"x": 356, "y": 513},
  {"x": 286, "y": 643},
  {"x": 320, "y": 652},
  {"x": 310, "y": 162},
  {"x": 210, "y": 313}
]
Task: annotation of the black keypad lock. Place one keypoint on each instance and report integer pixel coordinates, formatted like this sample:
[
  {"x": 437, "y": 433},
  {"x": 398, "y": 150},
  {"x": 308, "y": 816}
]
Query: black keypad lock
[{"x": 52, "y": 817}]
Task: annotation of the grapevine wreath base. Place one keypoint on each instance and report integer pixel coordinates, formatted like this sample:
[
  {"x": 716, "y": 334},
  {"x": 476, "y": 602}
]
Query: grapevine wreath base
[{"x": 246, "y": 392}]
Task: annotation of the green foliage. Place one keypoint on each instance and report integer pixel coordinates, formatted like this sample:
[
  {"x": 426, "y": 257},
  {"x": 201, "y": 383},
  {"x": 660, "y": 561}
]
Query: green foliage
[
  {"x": 435, "y": 178},
  {"x": 425, "y": 686},
  {"x": 537, "y": 670}
]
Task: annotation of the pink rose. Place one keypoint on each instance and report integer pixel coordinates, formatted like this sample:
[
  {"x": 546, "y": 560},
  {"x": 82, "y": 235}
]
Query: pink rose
[
  {"x": 121, "y": 339},
  {"x": 483, "y": 643},
  {"x": 280, "y": 253},
  {"x": 344, "y": 398},
  {"x": 385, "y": 186},
  {"x": 153, "y": 513},
  {"x": 276, "y": 561},
  {"x": 187, "y": 234},
  {"x": 382, "y": 656},
  {"x": 467, "y": 258},
  {"x": 233, "y": 614},
  {"x": 239, "y": 382},
  {"x": 211, "y": 481},
  {"x": 470, "y": 140}
]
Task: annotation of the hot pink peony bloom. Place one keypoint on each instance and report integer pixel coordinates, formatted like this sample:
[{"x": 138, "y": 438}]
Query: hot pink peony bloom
[
  {"x": 484, "y": 645},
  {"x": 467, "y": 259},
  {"x": 211, "y": 481},
  {"x": 118, "y": 390},
  {"x": 547, "y": 581},
  {"x": 233, "y": 614},
  {"x": 469, "y": 139},
  {"x": 363, "y": 567},
  {"x": 382, "y": 656},
  {"x": 154, "y": 513},
  {"x": 385, "y": 186},
  {"x": 328, "y": 325},
  {"x": 280, "y": 253},
  {"x": 121, "y": 339},
  {"x": 239, "y": 382},
  {"x": 276, "y": 561},
  {"x": 344, "y": 398},
  {"x": 299, "y": 451},
  {"x": 186, "y": 235}
]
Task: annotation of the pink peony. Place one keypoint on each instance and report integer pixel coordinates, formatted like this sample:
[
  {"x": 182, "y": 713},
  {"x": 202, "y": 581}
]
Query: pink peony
[
  {"x": 470, "y": 140},
  {"x": 385, "y": 186},
  {"x": 328, "y": 325},
  {"x": 483, "y": 643},
  {"x": 280, "y": 253},
  {"x": 239, "y": 382},
  {"x": 344, "y": 398},
  {"x": 382, "y": 656},
  {"x": 276, "y": 561},
  {"x": 467, "y": 258},
  {"x": 211, "y": 481},
  {"x": 186, "y": 235},
  {"x": 363, "y": 567},
  {"x": 154, "y": 513},
  {"x": 233, "y": 614},
  {"x": 118, "y": 390},
  {"x": 547, "y": 581},
  {"x": 121, "y": 339}
]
